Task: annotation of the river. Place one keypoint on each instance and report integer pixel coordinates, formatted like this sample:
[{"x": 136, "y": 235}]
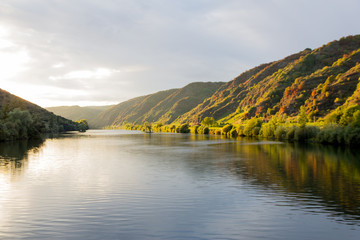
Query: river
[{"x": 117, "y": 184}]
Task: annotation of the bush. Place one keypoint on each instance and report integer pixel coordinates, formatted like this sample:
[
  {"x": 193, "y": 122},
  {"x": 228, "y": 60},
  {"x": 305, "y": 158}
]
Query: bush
[
  {"x": 226, "y": 129},
  {"x": 233, "y": 133},
  {"x": 203, "y": 130},
  {"x": 255, "y": 131},
  {"x": 290, "y": 133},
  {"x": 250, "y": 130},
  {"x": 306, "y": 133},
  {"x": 352, "y": 136},
  {"x": 348, "y": 115},
  {"x": 194, "y": 129},
  {"x": 183, "y": 128},
  {"x": 299, "y": 134},
  {"x": 268, "y": 130},
  {"x": 280, "y": 132},
  {"x": 206, "y": 130},
  {"x": 208, "y": 121},
  {"x": 355, "y": 123},
  {"x": 240, "y": 131}
]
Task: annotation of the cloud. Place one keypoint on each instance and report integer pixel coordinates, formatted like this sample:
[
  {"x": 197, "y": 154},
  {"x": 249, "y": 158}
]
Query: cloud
[
  {"x": 155, "y": 44},
  {"x": 58, "y": 65},
  {"x": 98, "y": 73},
  {"x": 13, "y": 58}
]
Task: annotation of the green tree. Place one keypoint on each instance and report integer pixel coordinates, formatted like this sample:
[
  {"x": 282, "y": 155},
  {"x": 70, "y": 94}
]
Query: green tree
[
  {"x": 208, "y": 121},
  {"x": 83, "y": 125},
  {"x": 356, "y": 119},
  {"x": 302, "y": 118},
  {"x": 227, "y": 128},
  {"x": 147, "y": 127},
  {"x": 252, "y": 127}
]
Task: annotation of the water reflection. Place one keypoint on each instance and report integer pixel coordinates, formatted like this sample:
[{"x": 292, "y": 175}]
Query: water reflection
[
  {"x": 119, "y": 185},
  {"x": 314, "y": 178},
  {"x": 14, "y": 156},
  {"x": 311, "y": 177}
]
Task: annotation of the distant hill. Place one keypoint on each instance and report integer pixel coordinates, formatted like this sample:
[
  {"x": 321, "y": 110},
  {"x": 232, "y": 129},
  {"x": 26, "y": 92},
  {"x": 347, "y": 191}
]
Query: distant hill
[
  {"x": 29, "y": 120},
  {"x": 76, "y": 113},
  {"x": 164, "y": 106}
]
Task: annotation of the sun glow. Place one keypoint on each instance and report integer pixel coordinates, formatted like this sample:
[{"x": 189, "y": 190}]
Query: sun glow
[{"x": 13, "y": 58}]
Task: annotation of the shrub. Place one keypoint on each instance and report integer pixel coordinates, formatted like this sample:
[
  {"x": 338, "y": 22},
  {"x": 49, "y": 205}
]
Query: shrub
[
  {"x": 208, "y": 121},
  {"x": 252, "y": 123},
  {"x": 290, "y": 133},
  {"x": 348, "y": 115},
  {"x": 206, "y": 130},
  {"x": 352, "y": 136},
  {"x": 194, "y": 129},
  {"x": 280, "y": 132},
  {"x": 226, "y": 129},
  {"x": 356, "y": 119},
  {"x": 302, "y": 118},
  {"x": 268, "y": 130},
  {"x": 299, "y": 134},
  {"x": 203, "y": 130},
  {"x": 183, "y": 128},
  {"x": 233, "y": 133},
  {"x": 240, "y": 131},
  {"x": 255, "y": 131}
]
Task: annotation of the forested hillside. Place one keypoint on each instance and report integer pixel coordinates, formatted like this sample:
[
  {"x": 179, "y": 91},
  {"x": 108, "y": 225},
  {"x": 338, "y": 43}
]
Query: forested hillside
[
  {"x": 20, "y": 119},
  {"x": 321, "y": 80}
]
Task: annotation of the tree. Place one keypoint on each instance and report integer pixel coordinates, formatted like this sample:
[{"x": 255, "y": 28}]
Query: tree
[
  {"x": 226, "y": 129},
  {"x": 253, "y": 127},
  {"x": 147, "y": 127},
  {"x": 208, "y": 121},
  {"x": 302, "y": 118},
  {"x": 83, "y": 125}
]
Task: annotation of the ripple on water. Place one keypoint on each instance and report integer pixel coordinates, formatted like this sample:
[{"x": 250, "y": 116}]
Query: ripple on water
[{"x": 114, "y": 185}]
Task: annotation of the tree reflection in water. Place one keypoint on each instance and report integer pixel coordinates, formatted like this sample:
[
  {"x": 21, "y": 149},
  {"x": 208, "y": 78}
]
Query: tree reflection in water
[
  {"x": 14, "y": 156},
  {"x": 312, "y": 177}
]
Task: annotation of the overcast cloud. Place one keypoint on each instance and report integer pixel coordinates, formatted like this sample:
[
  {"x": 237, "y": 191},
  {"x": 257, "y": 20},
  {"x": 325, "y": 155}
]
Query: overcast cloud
[{"x": 87, "y": 52}]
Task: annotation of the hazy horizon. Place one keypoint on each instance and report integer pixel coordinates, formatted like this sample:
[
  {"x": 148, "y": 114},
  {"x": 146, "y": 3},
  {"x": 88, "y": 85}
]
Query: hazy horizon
[{"x": 90, "y": 53}]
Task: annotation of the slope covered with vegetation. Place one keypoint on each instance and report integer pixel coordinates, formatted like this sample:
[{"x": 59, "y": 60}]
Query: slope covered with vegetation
[
  {"x": 20, "y": 119},
  {"x": 313, "y": 94},
  {"x": 164, "y": 106},
  {"x": 76, "y": 113},
  {"x": 321, "y": 80},
  {"x": 132, "y": 110}
]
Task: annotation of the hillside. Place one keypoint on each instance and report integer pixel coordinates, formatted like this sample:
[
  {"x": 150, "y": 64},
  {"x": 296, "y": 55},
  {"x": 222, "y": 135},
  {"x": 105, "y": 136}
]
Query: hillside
[
  {"x": 324, "y": 81},
  {"x": 76, "y": 113},
  {"x": 22, "y": 119},
  {"x": 321, "y": 80},
  {"x": 163, "y": 106}
]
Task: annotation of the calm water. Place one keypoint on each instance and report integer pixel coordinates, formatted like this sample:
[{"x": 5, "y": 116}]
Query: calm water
[{"x": 128, "y": 185}]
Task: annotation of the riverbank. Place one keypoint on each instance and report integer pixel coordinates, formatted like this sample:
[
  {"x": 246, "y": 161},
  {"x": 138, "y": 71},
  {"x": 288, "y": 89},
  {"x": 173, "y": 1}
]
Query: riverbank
[{"x": 276, "y": 129}]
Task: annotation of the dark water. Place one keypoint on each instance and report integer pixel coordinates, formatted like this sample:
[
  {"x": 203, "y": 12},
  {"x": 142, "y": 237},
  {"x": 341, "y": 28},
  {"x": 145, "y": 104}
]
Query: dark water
[{"x": 121, "y": 185}]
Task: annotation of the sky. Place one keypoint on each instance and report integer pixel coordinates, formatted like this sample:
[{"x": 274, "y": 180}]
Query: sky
[{"x": 100, "y": 52}]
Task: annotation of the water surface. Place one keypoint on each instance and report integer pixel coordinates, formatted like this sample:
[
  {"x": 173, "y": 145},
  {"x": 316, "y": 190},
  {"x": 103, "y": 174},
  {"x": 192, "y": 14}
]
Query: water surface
[{"x": 128, "y": 185}]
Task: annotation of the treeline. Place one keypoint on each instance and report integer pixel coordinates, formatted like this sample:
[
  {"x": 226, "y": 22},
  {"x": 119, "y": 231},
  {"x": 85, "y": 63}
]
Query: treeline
[
  {"x": 21, "y": 124},
  {"x": 342, "y": 127}
]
